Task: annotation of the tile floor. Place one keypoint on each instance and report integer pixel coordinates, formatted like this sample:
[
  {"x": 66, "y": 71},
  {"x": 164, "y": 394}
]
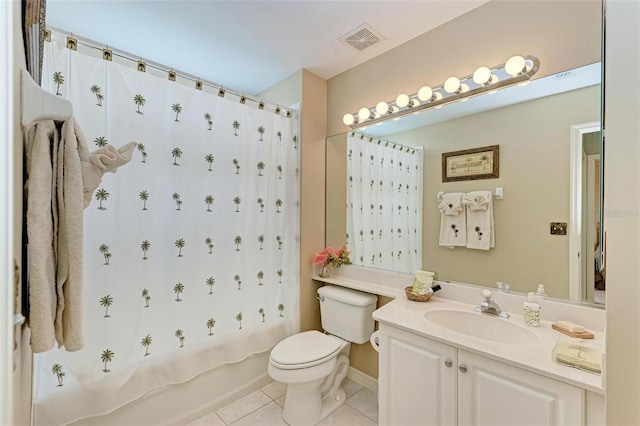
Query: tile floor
[{"x": 264, "y": 408}]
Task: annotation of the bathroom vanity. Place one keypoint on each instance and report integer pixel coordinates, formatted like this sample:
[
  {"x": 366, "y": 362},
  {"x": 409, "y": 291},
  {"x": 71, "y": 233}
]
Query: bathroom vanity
[
  {"x": 432, "y": 375},
  {"x": 442, "y": 363}
]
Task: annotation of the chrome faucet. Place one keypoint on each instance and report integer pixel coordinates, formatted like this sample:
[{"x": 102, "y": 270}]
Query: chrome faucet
[{"x": 489, "y": 306}]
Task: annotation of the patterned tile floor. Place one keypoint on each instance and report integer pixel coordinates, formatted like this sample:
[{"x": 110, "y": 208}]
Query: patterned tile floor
[{"x": 264, "y": 408}]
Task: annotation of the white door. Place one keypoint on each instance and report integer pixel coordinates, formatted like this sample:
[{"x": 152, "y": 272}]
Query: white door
[
  {"x": 491, "y": 393},
  {"x": 417, "y": 380}
]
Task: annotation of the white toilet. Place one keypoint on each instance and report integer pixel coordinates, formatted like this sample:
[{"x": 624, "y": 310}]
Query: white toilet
[{"x": 312, "y": 364}]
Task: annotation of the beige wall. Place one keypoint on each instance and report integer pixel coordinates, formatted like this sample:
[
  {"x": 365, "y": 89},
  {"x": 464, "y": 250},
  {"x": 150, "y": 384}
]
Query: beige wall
[
  {"x": 622, "y": 213},
  {"x": 562, "y": 34},
  {"x": 336, "y": 190},
  {"x": 314, "y": 116},
  {"x": 363, "y": 357},
  {"x": 286, "y": 92}
]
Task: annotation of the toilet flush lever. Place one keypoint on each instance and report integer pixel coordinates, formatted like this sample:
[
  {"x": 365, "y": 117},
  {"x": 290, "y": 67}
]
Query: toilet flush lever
[{"x": 320, "y": 298}]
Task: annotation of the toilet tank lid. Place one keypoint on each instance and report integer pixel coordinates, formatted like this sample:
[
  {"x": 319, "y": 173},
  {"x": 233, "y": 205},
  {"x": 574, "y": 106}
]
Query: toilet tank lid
[{"x": 347, "y": 295}]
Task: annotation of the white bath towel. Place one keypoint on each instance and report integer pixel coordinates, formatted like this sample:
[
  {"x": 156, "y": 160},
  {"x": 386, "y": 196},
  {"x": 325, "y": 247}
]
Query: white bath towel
[
  {"x": 69, "y": 184},
  {"x": 40, "y": 233},
  {"x": 62, "y": 175},
  {"x": 480, "y": 226},
  {"x": 453, "y": 228}
]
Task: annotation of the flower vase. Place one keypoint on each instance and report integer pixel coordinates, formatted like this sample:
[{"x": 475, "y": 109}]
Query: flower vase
[{"x": 325, "y": 271}]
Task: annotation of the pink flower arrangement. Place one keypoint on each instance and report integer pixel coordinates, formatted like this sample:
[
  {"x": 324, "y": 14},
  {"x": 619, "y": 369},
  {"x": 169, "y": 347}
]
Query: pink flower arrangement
[{"x": 331, "y": 257}]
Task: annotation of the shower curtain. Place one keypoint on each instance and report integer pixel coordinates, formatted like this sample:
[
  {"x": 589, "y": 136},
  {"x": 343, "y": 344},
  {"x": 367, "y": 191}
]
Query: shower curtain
[
  {"x": 194, "y": 242},
  {"x": 384, "y": 203}
]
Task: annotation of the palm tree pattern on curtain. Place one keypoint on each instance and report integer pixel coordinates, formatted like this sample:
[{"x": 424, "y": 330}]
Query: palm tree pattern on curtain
[
  {"x": 145, "y": 228},
  {"x": 384, "y": 204}
]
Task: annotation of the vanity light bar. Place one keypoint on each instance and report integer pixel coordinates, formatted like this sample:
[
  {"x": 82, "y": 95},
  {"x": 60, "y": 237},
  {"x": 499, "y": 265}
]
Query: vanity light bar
[{"x": 517, "y": 70}]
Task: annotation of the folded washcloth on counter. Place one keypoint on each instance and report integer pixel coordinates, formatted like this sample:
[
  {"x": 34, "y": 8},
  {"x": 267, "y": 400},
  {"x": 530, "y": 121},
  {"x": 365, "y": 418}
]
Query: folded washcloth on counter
[
  {"x": 453, "y": 220},
  {"x": 575, "y": 353}
]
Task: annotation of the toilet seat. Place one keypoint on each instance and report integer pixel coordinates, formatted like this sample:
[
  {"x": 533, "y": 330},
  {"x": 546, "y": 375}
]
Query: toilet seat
[{"x": 305, "y": 350}]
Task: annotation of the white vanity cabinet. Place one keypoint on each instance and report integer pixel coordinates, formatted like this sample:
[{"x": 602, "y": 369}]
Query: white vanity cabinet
[
  {"x": 416, "y": 380},
  {"x": 425, "y": 382},
  {"x": 493, "y": 393}
]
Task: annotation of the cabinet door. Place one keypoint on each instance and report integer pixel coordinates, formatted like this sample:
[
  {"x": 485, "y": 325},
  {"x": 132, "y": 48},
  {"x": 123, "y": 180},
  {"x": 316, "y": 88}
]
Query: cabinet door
[
  {"x": 417, "y": 380},
  {"x": 492, "y": 393}
]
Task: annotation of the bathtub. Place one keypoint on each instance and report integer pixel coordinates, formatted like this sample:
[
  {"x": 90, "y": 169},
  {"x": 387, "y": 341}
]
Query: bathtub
[{"x": 146, "y": 398}]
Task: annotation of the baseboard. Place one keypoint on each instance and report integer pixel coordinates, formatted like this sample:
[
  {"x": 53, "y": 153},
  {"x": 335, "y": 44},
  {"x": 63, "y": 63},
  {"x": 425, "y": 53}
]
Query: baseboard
[{"x": 364, "y": 379}]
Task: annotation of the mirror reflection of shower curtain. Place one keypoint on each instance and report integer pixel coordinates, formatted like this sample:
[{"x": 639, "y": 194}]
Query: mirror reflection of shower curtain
[
  {"x": 194, "y": 242},
  {"x": 384, "y": 204}
]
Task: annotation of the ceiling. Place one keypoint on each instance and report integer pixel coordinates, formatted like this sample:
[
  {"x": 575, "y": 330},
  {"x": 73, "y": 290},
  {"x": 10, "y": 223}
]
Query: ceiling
[{"x": 248, "y": 46}]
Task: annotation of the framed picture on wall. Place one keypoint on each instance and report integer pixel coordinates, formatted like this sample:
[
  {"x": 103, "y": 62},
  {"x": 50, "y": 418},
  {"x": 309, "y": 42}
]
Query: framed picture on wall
[{"x": 471, "y": 164}]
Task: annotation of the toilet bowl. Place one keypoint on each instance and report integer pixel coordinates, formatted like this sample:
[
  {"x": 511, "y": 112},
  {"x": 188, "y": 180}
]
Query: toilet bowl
[{"x": 313, "y": 365}]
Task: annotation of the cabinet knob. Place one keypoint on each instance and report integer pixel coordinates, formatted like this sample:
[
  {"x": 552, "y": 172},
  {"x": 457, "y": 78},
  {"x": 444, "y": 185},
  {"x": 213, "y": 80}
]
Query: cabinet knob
[
  {"x": 462, "y": 368},
  {"x": 448, "y": 362}
]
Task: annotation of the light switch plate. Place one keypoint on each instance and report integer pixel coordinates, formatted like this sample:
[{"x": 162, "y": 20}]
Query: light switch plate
[{"x": 558, "y": 228}]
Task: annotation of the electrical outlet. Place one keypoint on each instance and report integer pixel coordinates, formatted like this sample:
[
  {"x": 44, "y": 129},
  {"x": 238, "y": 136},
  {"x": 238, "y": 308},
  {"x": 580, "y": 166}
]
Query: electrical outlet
[{"x": 558, "y": 228}]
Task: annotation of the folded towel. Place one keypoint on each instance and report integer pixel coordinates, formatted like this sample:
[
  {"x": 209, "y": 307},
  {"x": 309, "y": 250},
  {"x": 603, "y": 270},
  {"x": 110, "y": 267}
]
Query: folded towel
[
  {"x": 576, "y": 354},
  {"x": 480, "y": 227},
  {"x": 452, "y": 220}
]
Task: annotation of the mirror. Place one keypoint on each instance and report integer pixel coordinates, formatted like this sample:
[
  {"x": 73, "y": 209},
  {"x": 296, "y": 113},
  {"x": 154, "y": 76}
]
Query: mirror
[{"x": 534, "y": 135}]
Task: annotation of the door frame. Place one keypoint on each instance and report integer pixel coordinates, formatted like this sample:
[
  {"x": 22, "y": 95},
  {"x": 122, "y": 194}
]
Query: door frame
[
  {"x": 7, "y": 136},
  {"x": 575, "y": 206}
]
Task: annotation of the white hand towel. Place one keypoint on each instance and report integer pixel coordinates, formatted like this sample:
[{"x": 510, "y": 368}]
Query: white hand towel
[
  {"x": 95, "y": 164},
  {"x": 480, "y": 227},
  {"x": 452, "y": 220}
]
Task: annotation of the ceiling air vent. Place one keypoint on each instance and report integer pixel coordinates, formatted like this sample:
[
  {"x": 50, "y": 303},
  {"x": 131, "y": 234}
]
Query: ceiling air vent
[{"x": 362, "y": 37}]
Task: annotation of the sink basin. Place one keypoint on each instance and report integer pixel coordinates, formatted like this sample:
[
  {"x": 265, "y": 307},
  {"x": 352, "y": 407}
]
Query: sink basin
[{"x": 482, "y": 326}]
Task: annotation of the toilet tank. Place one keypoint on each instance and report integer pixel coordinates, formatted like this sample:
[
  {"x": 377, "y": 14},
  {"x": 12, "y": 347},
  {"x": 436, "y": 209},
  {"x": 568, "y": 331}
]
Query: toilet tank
[{"x": 347, "y": 313}]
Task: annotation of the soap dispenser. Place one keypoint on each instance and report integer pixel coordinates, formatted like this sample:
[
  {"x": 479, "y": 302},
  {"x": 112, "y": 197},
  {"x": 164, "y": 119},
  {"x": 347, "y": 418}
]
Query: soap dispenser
[
  {"x": 531, "y": 314},
  {"x": 540, "y": 293}
]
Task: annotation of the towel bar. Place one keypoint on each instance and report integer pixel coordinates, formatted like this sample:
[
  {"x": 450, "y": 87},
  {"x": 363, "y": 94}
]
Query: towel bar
[
  {"x": 38, "y": 104},
  {"x": 498, "y": 194}
]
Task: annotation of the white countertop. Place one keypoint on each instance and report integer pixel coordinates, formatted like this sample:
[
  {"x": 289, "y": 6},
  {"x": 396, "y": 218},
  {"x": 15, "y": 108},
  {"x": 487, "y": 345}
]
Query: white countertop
[{"x": 537, "y": 357}]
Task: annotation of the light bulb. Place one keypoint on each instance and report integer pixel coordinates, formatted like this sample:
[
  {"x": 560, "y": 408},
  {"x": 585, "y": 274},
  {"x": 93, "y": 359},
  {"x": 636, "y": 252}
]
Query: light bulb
[
  {"x": 482, "y": 76},
  {"x": 425, "y": 93},
  {"x": 515, "y": 65},
  {"x": 363, "y": 114},
  {"x": 348, "y": 119},
  {"x": 382, "y": 108},
  {"x": 452, "y": 84},
  {"x": 402, "y": 100}
]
